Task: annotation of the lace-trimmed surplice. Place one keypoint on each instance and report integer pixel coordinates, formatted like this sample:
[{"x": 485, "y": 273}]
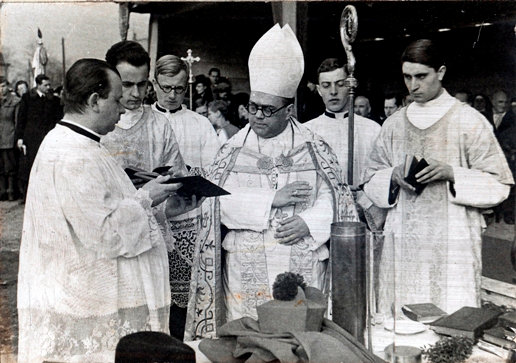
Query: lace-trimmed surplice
[{"x": 93, "y": 262}]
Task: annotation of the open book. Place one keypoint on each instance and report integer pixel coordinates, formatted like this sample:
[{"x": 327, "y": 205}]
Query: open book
[
  {"x": 192, "y": 185},
  {"x": 412, "y": 167}
]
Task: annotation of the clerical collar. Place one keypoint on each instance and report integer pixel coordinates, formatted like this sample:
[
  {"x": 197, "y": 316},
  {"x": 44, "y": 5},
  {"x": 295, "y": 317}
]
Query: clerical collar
[
  {"x": 336, "y": 114},
  {"x": 84, "y": 131},
  {"x": 161, "y": 109}
]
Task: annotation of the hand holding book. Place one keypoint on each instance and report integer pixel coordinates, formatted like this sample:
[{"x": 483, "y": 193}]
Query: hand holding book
[
  {"x": 435, "y": 171},
  {"x": 417, "y": 173}
]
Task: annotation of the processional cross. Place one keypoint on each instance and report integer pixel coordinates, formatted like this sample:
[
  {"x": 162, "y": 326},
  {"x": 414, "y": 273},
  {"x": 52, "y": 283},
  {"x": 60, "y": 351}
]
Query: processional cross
[{"x": 190, "y": 60}]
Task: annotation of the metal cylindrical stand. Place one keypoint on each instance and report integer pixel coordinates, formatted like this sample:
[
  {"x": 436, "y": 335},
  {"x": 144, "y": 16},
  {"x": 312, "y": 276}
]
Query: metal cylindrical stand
[{"x": 348, "y": 268}]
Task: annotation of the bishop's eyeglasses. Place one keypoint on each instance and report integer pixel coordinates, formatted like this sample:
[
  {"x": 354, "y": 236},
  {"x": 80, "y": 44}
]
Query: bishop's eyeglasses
[
  {"x": 267, "y": 111},
  {"x": 167, "y": 89}
]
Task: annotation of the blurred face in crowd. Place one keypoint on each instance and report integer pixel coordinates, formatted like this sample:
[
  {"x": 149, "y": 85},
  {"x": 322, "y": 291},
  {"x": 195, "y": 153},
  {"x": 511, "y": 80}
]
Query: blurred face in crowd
[
  {"x": 273, "y": 125},
  {"x": 134, "y": 84},
  {"x": 215, "y": 117},
  {"x": 202, "y": 110},
  {"x": 389, "y": 106},
  {"x": 110, "y": 108},
  {"x": 44, "y": 87},
  {"x": 223, "y": 91},
  {"x": 214, "y": 77},
  {"x": 332, "y": 90},
  {"x": 242, "y": 113},
  {"x": 362, "y": 106},
  {"x": 21, "y": 89},
  {"x": 170, "y": 91},
  {"x": 4, "y": 89},
  {"x": 479, "y": 103},
  {"x": 500, "y": 102},
  {"x": 200, "y": 88},
  {"x": 462, "y": 97},
  {"x": 423, "y": 82}
]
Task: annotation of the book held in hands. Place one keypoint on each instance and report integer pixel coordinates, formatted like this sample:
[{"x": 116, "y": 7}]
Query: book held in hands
[
  {"x": 411, "y": 168},
  {"x": 192, "y": 185}
]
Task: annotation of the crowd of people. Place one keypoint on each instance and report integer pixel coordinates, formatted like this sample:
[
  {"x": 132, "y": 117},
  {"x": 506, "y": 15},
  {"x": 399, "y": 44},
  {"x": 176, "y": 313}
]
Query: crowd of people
[{"x": 102, "y": 257}]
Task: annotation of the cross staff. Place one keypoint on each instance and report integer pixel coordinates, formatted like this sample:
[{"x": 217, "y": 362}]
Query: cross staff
[
  {"x": 348, "y": 33},
  {"x": 190, "y": 60}
]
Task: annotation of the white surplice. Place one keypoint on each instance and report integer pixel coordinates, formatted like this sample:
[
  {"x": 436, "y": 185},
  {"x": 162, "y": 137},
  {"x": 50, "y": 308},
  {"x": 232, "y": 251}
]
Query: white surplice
[
  {"x": 252, "y": 221},
  {"x": 198, "y": 141},
  {"x": 93, "y": 262},
  {"x": 432, "y": 250},
  {"x": 335, "y": 132}
]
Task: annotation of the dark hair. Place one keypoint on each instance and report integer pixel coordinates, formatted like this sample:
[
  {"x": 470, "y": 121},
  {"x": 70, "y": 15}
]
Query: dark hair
[
  {"x": 214, "y": 70},
  {"x": 17, "y": 84},
  {"x": 202, "y": 79},
  {"x": 170, "y": 66},
  {"x": 330, "y": 64},
  {"x": 86, "y": 76},
  {"x": 219, "y": 105},
  {"x": 397, "y": 98},
  {"x": 3, "y": 79},
  {"x": 224, "y": 85},
  {"x": 424, "y": 51},
  {"x": 241, "y": 98},
  {"x": 128, "y": 51},
  {"x": 40, "y": 78}
]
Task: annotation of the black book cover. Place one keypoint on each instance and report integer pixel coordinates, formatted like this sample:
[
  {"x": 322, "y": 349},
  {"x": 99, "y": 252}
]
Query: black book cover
[
  {"x": 467, "y": 321},
  {"x": 410, "y": 175},
  {"x": 192, "y": 185},
  {"x": 198, "y": 186}
]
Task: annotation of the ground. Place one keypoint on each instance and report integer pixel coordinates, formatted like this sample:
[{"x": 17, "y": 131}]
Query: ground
[{"x": 11, "y": 219}]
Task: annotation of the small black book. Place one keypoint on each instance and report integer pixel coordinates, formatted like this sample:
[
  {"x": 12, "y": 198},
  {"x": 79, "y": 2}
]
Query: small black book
[
  {"x": 192, "y": 185},
  {"x": 412, "y": 167},
  {"x": 467, "y": 321}
]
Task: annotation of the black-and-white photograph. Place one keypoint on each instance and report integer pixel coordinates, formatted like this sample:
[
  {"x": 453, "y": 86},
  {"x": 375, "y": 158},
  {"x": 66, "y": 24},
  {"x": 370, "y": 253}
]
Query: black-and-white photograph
[{"x": 251, "y": 181}]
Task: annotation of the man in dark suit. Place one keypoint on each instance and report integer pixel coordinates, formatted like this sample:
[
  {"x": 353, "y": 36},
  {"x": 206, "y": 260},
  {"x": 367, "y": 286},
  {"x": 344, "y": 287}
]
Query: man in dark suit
[
  {"x": 503, "y": 117},
  {"x": 39, "y": 111},
  {"x": 504, "y": 122}
]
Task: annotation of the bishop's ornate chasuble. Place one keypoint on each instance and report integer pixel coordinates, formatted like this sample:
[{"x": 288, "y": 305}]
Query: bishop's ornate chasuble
[
  {"x": 198, "y": 144},
  {"x": 93, "y": 263},
  {"x": 432, "y": 250},
  {"x": 252, "y": 169}
]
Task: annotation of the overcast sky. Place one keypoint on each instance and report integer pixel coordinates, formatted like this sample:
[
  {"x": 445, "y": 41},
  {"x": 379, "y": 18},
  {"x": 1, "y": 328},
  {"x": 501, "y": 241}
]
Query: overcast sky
[{"x": 89, "y": 29}]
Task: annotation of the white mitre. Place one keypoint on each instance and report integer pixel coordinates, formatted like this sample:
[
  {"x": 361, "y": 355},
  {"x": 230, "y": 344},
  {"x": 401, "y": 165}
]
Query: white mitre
[{"x": 276, "y": 63}]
